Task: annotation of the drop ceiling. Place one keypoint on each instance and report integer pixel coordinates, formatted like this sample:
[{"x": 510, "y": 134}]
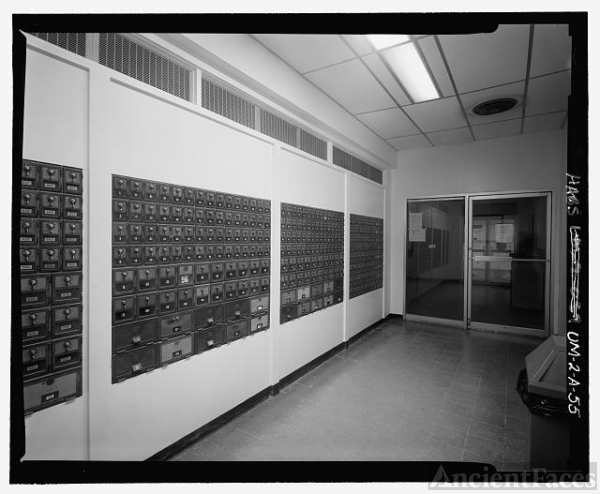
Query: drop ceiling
[{"x": 531, "y": 63}]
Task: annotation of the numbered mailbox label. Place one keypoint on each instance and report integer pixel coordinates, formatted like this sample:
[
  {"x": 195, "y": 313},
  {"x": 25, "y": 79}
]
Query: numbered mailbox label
[
  {"x": 146, "y": 278},
  {"x": 146, "y": 305},
  {"x": 66, "y": 320},
  {"x": 123, "y": 310}
]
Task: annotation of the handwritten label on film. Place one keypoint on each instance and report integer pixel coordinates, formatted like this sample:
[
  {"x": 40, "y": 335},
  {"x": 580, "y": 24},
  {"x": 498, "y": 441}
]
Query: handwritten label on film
[{"x": 573, "y": 337}]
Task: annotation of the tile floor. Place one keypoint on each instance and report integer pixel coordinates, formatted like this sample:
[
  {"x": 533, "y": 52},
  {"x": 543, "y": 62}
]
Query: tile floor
[{"x": 404, "y": 391}]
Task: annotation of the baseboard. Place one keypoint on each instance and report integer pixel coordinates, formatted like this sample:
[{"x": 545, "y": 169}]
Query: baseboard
[
  {"x": 298, "y": 373},
  {"x": 391, "y": 317},
  {"x": 211, "y": 426},
  {"x": 251, "y": 402}
]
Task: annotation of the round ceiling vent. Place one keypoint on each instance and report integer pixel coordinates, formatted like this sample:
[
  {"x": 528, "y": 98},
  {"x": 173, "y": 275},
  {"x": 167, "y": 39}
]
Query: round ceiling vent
[{"x": 494, "y": 106}]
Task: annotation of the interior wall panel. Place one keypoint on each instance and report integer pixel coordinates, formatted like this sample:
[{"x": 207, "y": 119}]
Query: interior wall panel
[
  {"x": 140, "y": 136},
  {"x": 366, "y": 199},
  {"x": 56, "y": 131},
  {"x": 300, "y": 180}
]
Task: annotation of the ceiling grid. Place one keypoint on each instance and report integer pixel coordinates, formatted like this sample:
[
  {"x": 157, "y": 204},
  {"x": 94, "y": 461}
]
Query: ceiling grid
[{"x": 525, "y": 62}]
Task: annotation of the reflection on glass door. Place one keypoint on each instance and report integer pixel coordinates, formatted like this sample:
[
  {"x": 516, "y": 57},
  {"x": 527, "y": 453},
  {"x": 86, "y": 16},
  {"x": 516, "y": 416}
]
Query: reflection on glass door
[
  {"x": 435, "y": 259},
  {"x": 508, "y": 251}
]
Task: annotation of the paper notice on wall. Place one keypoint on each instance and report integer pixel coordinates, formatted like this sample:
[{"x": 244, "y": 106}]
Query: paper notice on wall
[
  {"x": 505, "y": 233},
  {"x": 415, "y": 220},
  {"x": 416, "y": 234},
  {"x": 478, "y": 232}
]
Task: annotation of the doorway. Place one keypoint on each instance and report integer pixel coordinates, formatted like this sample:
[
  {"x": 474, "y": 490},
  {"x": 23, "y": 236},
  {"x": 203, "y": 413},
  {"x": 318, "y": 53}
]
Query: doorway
[{"x": 480, "y": 262}]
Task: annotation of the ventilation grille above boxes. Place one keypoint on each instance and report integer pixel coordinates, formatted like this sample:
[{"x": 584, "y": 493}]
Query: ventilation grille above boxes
[
  {"x": 352, "y": 163},
  {"x": 130, "y": 58},
  {"x": 120, "y": 53},
  {"x": 227, "y": 103},
  {"x": 74, "y": 42}
]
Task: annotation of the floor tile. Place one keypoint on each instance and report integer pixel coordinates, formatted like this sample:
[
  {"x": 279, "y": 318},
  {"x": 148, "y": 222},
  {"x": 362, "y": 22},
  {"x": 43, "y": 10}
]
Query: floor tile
[{"x": 403, "y": 392}]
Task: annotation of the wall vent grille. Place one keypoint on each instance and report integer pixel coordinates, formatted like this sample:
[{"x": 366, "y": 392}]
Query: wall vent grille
[
  {"x": 224, "y": 102},
  {"x": 74, "y": 42},
  {"x": 311, "y": 144},
  {"x": 352, "y": 163},
  {"x": 278, "y": 128},
  {"x": 219, "y": 100},
  {"x": 134, "y": 60}
]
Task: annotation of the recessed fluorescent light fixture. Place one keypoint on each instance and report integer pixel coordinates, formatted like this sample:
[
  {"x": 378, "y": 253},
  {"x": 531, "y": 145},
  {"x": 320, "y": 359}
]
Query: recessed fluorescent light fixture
[
  {"x": 381, "y": 41},
  {"x": 408, "y": 66}
]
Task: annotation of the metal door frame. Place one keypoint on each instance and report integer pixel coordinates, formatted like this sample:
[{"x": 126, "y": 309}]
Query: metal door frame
[
  {"x": 548, "y": 262},
  {"x": 467, "y": 243},
  {"x": 427, "y": 319}
]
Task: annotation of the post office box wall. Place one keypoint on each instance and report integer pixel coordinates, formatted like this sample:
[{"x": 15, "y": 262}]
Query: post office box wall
[
  {"x": 211, "y": 250},
  {"x": 311, "y": 258},
  {"x": 366, "y": 254},
  {"x": 51, "y": 257}
]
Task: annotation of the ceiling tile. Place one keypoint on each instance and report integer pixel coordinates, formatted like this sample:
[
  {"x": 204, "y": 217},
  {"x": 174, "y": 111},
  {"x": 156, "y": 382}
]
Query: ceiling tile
[
  {"x": 454, "y": 136},
  {"x": 359, "y": 43},
  {"x": 497, "y": 129},
  {"x": 307, "y": 52},
  {"x": 440, "y": 114},
  {"x": 412, "y": 142},
  {"x": 548, "y": 93},
  {"x": 382, "y": 73},
  {"x": 478, "y": 61},
  {"x": 436, "y": 64},
  {"x": 551, "y": 49},
  {"x": 543, "y": 123},
  {"x": 353, "y": 86},
  {"x": 389, "y": 123},
  {"x": 470, "y": 100}
]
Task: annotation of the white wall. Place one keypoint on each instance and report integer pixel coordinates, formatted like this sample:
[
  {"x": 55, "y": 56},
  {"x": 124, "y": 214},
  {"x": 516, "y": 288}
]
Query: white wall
[
  {"x": 528, "y": 162},
  {"x": 242, "y": 56},
  {"x": 59, "y": 134},
  {"x": 300, "y": 180},
  {"x": 81, "y": 114},
  {"x": 365, "y": 198},
  {"x": 140, "y": 136}
]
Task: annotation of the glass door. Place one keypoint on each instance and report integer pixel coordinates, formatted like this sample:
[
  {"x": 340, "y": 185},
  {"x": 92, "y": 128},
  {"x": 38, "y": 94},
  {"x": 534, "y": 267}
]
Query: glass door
[
  {"x": 435, "y": 267},
  {"x": 509, "y": 248}
]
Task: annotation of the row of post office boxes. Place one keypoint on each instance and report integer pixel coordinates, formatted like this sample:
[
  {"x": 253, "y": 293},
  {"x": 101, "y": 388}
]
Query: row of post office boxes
[
  {"x": 130, "y": 280},
  {"x": 56, "y": 355},
  {"x": 361, "y": 275},
  {"x": 291, "y": 236},
  {"x": 297, "y": 279},
  {"x": 302, "y": 308},
  {"x": 139, "y": 233},
  {"x": 55, "y": 322},
  {"x": 311, "y": 226},
  {"x": 142, "y": 359},
  {"x": 150, "y": 304},
  {"x": 134, "y": 188},
  {"x": 50, "y": 205},
  {"x": 42, "y": 289},
  {"x": 311, "y": 231},
  {"x": 290, "y": 264},
  {"x": 144, "y": 332},
  {"x": 51, "y": 177},
  {"x": 139, "y": 255},
  {"x": 149, "y": 213},
  {"x": 362, "y": 289},
  {"x": 33, "y": 232},
  {"x": 51, "y": 390},
  {"x": 311, "y": 213},
  {"x": 309, "y": 291},
  {"x": 291, "y": 250},
  {"x": 50, "y": 259}
]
